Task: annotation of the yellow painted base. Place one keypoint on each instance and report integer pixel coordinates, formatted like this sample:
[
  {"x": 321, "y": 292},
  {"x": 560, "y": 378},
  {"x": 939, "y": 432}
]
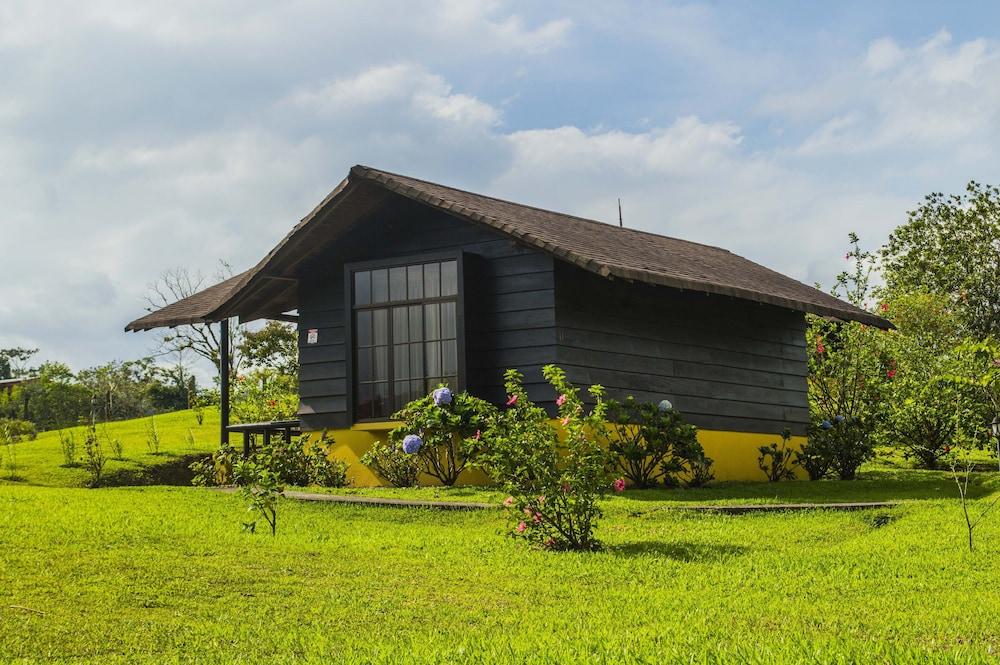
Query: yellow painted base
[{"x": 734, "y": 454}]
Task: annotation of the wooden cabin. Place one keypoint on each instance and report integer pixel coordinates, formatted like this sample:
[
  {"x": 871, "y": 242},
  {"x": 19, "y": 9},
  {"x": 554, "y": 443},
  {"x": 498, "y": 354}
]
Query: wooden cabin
[{"x": 398, "y": 284}]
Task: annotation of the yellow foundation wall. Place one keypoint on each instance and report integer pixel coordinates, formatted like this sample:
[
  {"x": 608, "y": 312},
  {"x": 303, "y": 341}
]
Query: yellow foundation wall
[{"x": 734, "y": 454}]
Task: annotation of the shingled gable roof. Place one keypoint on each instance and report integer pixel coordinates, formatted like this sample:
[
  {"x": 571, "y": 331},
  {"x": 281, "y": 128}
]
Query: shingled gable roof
[{"x": 608, "y": 250}]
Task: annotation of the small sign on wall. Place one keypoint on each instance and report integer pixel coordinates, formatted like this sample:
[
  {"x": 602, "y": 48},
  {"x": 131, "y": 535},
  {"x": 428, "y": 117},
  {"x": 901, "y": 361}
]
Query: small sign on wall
[{"x": 312, "y": 336}]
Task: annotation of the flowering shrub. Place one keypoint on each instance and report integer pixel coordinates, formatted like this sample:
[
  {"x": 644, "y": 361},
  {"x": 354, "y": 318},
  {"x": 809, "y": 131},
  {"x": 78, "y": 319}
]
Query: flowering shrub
[
  {"x": 443, "y": 431},
  {"x": 650, "y": 443},
  {"x": 553, "y": 486},
  {"x": 263, "y": 395},
  {"x": 392, "y": 464}
]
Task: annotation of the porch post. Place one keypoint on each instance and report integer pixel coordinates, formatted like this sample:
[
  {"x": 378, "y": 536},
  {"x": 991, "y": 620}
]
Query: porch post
[{"x": 224, "y": 378}]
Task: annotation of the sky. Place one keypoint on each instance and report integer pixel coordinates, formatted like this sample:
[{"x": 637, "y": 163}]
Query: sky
[{"x": 138, "y": 137}]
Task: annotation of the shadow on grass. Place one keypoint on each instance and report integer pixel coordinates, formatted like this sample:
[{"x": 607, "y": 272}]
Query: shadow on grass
[
  {"x": 175, "y": 470},
  {"x": 678, "y": 551},
  {"x": 873, "y": 485}
]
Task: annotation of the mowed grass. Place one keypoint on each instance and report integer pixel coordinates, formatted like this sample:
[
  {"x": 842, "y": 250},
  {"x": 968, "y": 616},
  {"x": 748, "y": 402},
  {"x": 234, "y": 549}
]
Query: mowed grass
[
  {"x": 41, "y": 462},
  {"x": 162, "y": 574}
]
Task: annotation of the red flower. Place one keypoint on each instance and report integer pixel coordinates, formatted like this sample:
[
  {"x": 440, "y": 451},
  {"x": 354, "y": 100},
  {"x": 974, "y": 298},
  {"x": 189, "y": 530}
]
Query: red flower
[
  {"x": 891, "y": 373},
  {"x": 272, "y": 403},
  {"x": 947, "y": 449},
  {"x": 884, "y": 307},
  {"x": 819, "y": 346}
]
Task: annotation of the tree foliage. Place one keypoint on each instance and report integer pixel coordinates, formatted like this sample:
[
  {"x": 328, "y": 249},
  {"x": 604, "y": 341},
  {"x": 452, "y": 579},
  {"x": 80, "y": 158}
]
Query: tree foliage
[{"x": 950, "y": 245}]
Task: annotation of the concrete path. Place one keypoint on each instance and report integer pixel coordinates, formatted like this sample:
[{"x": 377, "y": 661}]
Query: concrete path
[{"x": 730, "y": 509}]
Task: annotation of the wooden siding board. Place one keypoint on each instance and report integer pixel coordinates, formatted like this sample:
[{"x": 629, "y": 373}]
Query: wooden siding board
[{"x": 726, "y": 364}]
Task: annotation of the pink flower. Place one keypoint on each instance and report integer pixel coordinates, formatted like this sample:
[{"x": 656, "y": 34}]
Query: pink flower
[
  {"x": 565, "y": 421},
  {"x": 478, "y": 435},
  {"x": 847, "y": 256},
  {"x": 550, "y": 543},
  {"x": 619, "y": 485},
  {"x": 561, "y": 400},
  {"x": 512, "y": 400},
  {"x": 521, "y": 526},
  {"x": 528, "y": 512},
  {"x": 537, "y": 518},
  {"x": 884, "y": 307},
  {"x": 508, "y": 502}
]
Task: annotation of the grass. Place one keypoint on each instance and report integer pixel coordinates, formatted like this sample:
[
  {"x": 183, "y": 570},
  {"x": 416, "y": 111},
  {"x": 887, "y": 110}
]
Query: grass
[
  {"x": 41, "y": 462},
  {"x": 163, "y": 574}
]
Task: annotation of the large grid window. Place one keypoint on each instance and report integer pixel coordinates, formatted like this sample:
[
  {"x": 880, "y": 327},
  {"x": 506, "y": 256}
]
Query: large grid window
[{"x": 405, "y": 334}]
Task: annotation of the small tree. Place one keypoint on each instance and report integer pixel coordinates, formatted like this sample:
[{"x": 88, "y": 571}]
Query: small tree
[
  {"x": 961, "y": 470},
  {"x": 554, "y": 485},
  {"x": 261, "y": 489},
  {"x": 93, "y": 457}
]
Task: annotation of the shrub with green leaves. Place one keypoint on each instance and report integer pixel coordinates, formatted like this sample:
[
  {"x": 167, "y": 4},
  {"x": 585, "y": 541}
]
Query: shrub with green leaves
[
  {"x": 449, "y": 427},
  {"x": 554, "y": 485},
  {"x": 391, "y": 464},
  {"x": 837, "y": 446},
  {"x": 67, "y": 444},
  {"x": 649, "y": 443},
  {"x": 295, "y": 462},
  {"x": 261, "y": 488},
  {"x": 776, "y": 459},
  {"x": 93, "y": 457},
  {"x": 15, "y": 431}
]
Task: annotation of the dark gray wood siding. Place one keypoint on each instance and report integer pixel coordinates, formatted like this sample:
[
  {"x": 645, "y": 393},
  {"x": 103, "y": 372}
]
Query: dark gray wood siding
[
  {"x": 727, "y": 364},
  {"x": 509, "y": 306}
]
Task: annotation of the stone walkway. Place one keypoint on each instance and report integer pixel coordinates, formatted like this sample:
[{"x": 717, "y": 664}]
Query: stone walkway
[{"x": 730, "y": 509}]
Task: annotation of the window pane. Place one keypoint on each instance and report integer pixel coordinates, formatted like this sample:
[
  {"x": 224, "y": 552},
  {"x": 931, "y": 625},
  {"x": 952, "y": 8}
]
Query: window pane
[
  {"x": 362, "y": 288},
  {"x": 401, "y": 393},
  {"x": 380, "y": 400},
  {"x": 381, "y": 362},
  {"x": 364, "y": 328},
  {"x": 416, "y": 323},
  {"x": 380, "y": 326},
  {"x": 449, "y": 278},
  {"x": 449, "y": 357},
  {"x": 380, "y": 285},
  {"x": 448, "y": 320},
  {"x": 401, "y": 361},
  {"x": 397, "y": 283},
  {"x": 364, "y": 360},
  {"x": 399, "y": 318},
  {"x": 417, "y": 361},
  {"x": 432, "y": 322},
  {"x": 364, "y": 406},
  {"x": 432, "y": 276},
  {"x": 415, "y": 282},
  {"x": 432, "y": 361}
]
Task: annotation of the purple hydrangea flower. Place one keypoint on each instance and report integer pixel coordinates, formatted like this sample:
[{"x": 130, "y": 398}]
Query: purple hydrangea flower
[
  {"x": 826, "y": 424},
  {"x": 411, "y": 444},
  {"x": 442, "y": 396},
  {"x": 838, "y": 419}
]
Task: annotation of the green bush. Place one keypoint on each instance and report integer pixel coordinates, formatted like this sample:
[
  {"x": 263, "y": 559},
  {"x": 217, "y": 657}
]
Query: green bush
[
  {"x": 648, "y": 443},
  {"x": 93, "y": 457},
  {"x": 13, "y": 430},
  {"x": 449, "y": 427},
  {"x": 777, "y": 459},
  {"x": 554, "y": 486},
  {"x": 264, "y": 395},
  {"x": 391, "y": 464},
  {"x": 837, "y": 446},
  {"x": 296, "y": 462}
]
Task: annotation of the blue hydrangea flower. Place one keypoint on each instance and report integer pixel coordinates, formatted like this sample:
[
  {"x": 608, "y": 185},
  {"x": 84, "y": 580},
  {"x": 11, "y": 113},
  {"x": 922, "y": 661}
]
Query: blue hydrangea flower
[
  {"x": 826, "y": 424},
  {"x": 839, "y": 419},
  {"x": 665, "y": 406},
  {"x": 411, "y": 444},
  {"x": 442, "y": 396}
]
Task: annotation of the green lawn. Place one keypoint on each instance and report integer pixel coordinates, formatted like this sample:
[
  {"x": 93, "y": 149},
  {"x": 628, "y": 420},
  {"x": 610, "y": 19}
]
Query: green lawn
[{"x": 154, "y": 574}]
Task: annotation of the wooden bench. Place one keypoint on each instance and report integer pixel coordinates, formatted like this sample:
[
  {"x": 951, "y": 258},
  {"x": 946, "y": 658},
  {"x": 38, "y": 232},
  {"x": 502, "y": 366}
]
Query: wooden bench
[{"x": 287, "y": 428}]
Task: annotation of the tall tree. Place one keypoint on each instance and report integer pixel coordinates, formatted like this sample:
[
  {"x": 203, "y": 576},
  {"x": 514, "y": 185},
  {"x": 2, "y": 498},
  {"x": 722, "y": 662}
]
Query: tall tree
[
  {"x": 201, "y": 339},
  {"x": 950, "y": 245},
  {"x": 13, "y": 362}
]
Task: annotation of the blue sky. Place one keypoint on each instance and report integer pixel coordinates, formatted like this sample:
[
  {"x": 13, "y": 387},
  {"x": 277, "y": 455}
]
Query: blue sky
[{"x": 136, "y": 137}]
